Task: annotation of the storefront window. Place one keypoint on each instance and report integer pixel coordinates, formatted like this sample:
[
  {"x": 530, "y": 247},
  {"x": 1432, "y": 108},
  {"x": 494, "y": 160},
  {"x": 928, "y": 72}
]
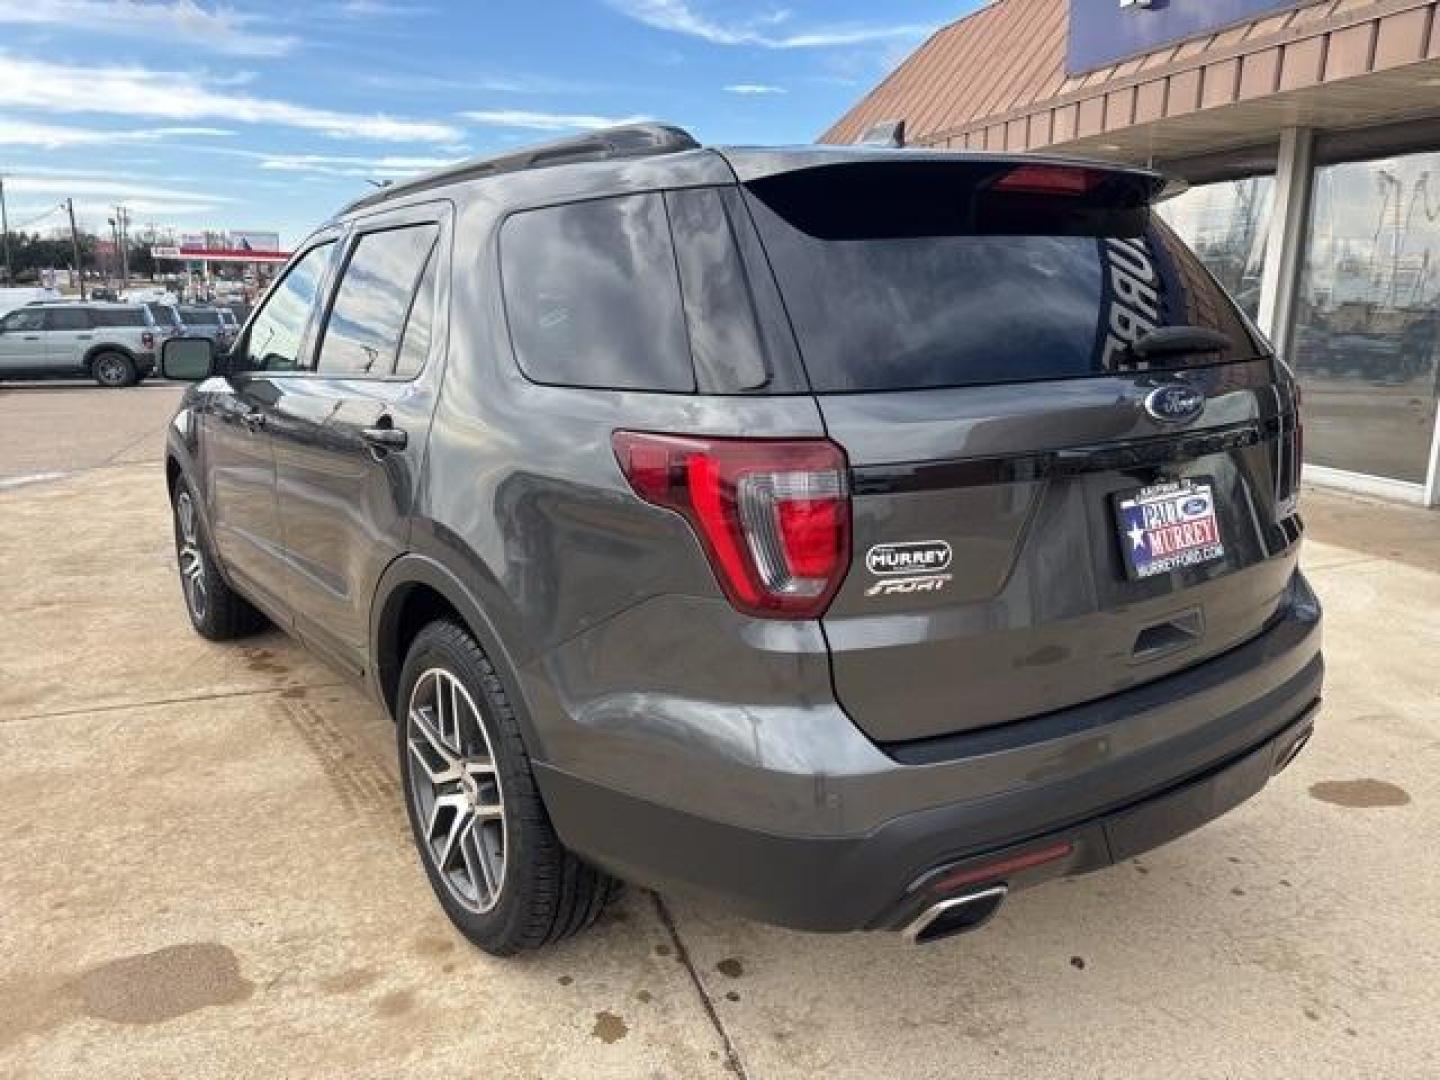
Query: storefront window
[
  {"x": 1228, "y": 225},
  {"x": 1366, "y": 323}
]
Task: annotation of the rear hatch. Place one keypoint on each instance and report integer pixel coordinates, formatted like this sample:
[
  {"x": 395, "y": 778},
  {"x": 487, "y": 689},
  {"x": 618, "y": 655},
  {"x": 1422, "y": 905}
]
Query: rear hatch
[{"x": 1072, "y": 459}]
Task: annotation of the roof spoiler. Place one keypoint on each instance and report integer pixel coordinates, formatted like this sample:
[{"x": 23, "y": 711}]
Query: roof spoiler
[{"x": 607, "y": 144}]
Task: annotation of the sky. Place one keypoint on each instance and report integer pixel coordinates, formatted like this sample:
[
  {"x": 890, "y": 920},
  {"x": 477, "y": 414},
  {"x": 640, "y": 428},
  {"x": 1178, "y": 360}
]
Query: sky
[{"x": 265, "y": 115}]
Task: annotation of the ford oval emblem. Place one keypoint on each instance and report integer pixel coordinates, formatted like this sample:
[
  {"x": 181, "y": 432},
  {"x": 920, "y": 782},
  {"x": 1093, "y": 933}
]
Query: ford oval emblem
[{"x": 1174, "y": 403}]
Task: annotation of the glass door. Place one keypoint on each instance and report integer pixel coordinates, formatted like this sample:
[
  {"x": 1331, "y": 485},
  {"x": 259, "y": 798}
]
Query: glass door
[{"x": 1368, "y": 317}]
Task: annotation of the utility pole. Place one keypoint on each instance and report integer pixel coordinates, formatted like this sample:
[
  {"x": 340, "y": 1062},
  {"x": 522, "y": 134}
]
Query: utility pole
[
  {"x": 5, "y": 233},
  {"x": 115, "y": 239},
  {"x": 75, "y": 245},
  {"x": 122, "y": 217}
]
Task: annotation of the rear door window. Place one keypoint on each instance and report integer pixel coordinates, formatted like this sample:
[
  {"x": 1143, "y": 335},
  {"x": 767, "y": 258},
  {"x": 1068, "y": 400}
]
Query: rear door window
[
  {"x": 592, "y": 295},
  {"x": 910, "y": 276},
  {"x": 377, "y": 288},
  {"x": 419, "y": 326}
]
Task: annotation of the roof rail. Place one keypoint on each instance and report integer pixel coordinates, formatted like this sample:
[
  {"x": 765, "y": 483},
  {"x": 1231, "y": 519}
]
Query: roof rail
[{"x": 607, "y": 144}]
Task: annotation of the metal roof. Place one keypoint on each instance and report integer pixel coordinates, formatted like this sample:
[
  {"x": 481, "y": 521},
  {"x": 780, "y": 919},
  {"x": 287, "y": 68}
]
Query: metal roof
[{"x": 996, "y": 80}]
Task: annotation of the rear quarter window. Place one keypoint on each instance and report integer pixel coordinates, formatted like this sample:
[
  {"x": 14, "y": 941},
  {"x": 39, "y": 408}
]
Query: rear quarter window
[
  {"x": 120, "y": 317},
  {"x": 592, "y": 295}
]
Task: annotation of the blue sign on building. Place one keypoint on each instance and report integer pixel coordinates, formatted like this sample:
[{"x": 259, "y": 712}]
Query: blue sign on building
[{"x": 1105, "y": 31}]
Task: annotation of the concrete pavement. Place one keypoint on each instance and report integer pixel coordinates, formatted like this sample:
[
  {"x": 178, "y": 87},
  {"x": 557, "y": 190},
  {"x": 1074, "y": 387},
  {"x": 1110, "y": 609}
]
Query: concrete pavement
[{"x": 205, "y": 868}]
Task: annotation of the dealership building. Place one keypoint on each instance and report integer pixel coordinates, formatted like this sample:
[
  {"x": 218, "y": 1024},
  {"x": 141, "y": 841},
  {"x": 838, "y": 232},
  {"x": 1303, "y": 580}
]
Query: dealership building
[{"x": 1310, "y": 137}]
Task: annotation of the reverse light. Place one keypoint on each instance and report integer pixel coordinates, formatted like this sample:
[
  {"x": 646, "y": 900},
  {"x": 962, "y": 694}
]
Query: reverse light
[{"x": 773, "y": 515}]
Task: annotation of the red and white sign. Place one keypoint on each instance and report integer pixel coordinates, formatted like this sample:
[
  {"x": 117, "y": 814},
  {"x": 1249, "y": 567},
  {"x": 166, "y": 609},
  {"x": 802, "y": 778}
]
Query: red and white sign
[{"x": 219, "y": 255}]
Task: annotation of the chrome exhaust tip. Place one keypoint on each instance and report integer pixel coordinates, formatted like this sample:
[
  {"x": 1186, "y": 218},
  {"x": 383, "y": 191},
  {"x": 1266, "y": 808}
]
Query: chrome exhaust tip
[
  {"x": 1292, "y": 751},
  {"x": 957, "y": 915}
]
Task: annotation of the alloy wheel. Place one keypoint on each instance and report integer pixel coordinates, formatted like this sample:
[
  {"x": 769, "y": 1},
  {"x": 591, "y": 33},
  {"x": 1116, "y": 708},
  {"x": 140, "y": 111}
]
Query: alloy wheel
[
  {"x": 455, "y": 788},
  {"x": 192, "y": 557},
  {"x": 110, "y": 370}
]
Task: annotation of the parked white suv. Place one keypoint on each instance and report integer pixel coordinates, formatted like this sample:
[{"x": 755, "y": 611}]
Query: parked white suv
[{"x": 112, "y": 343}]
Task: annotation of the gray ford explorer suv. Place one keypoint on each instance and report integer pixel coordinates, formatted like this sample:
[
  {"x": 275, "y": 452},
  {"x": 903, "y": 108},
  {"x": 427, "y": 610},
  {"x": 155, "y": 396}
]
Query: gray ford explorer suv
[{"x": 854, "y": 536}]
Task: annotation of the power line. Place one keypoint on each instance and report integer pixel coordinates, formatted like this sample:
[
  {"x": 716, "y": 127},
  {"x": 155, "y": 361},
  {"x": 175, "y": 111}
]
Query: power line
[{"x": 40, "y": 217}]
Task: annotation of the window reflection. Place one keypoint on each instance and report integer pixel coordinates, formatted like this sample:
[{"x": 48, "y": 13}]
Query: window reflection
[
  {"x": 593, "y": 298},
  {"x": 274, "y": 339},
  {"x": 1228, "y": 226},
  {"x": 363, "y": 334},
  {"x": 415, "y": 345},
  {"x": 1366, "y": 325}
]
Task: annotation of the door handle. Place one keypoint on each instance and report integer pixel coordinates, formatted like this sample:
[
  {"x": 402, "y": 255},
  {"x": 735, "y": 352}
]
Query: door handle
[
  {"x": 385, "y": 439},
  {"x": 31, "y": 337},
  {"x": 253, "y": 420}
]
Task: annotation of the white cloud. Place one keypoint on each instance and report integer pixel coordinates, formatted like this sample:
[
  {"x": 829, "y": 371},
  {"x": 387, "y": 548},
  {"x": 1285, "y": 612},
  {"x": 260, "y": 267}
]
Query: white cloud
[
  {"x": 58, "y": 136},
  {"x": 216, "y": 29},
  {"x": 548, "y": 121},
  {"x": 381, "y": 9},
  {"x": 95, "y": 186},
  {"x": 411, "y": 83},
  {"x": 754, "y": 89},
  {"x": 91, "y": 214},
  {"x": 680, "y": 17},
  {"x": 175, "y": 95},
  {"x": 387, "y": 167}
]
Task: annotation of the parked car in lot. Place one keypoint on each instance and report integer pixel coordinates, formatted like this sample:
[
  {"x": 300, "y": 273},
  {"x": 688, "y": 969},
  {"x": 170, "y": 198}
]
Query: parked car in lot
[
  {"x": 112, "y": 343},
  {"x": 166, "y": 317},
  {"x": 229, "y": 322},
  {"x": 853, "y": 536},
  {"x": 210, "y": 322}
]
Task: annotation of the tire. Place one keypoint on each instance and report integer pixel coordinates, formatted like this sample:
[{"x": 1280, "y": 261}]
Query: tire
[
  {"x": 526, "y": 890},
  {"x": 113, "y": 370},
  {"x": 216, "y": 611}
]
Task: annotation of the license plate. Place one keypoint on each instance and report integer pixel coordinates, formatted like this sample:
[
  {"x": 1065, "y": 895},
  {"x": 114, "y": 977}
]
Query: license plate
[{"x": 1168, "y": 526}]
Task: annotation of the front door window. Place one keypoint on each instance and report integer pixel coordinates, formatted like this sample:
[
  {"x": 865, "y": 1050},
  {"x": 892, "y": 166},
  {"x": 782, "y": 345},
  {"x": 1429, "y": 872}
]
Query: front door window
[{"x": 276, "y": 335}]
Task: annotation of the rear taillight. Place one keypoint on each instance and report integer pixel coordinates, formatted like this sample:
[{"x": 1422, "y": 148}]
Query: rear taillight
[
  {"x": 772, "y": 515},
  {"x": 147, "y": 339}
]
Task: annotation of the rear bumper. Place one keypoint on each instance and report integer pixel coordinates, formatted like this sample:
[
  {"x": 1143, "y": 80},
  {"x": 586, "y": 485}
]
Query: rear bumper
[{"x": 1110, "y": 780}]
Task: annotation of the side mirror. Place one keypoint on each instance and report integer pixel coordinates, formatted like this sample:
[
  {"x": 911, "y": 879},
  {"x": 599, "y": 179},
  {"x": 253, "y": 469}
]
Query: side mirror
[{"x": 187, "y": 359}]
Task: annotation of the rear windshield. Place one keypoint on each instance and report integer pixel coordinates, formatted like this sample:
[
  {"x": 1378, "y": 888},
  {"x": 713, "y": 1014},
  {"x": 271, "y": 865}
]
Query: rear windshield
[
  {"x": 119, "y": 317},
  {"x": 164, "y": 314},
  {"x": 201, "y": 317},
  {"x": 912, "y": 276}
]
